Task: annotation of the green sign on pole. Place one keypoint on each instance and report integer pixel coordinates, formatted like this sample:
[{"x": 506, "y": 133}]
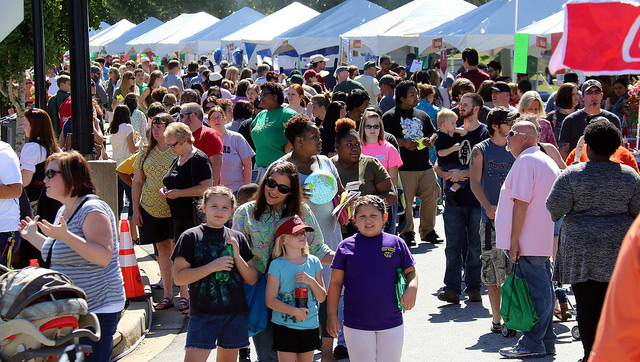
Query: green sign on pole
[{"x": 520, "y": 53}]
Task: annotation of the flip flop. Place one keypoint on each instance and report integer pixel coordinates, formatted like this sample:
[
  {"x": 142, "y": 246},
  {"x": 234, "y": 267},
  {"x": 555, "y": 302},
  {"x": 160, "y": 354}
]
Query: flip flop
[
  {"x": 165, "y": 303},
  {"x": 183, "y": 305}
]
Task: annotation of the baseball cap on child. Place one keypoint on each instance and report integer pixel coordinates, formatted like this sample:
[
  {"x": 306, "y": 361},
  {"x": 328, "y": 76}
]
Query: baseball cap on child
[{"x": 291, "y": 225}]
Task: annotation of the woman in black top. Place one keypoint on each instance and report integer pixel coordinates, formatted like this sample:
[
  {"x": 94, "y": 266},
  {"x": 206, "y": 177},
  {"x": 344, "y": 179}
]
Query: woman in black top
[{"x": 188, "y": 177}]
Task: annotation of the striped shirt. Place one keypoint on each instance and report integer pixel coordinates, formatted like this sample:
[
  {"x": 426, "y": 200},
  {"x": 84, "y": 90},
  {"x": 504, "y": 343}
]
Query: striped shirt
[{"x": 103, "y": 285}]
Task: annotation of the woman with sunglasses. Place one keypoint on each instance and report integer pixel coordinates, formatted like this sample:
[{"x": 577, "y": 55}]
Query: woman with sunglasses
[
  {"x": 279, "y": 195},
  {"x": 186, "y": 180},
  {"x": 151, "y": 213},
  {"x": 81, "y": 243},
  {"x": 127, "y": 85},
  {"x": 304, "y": 135}
]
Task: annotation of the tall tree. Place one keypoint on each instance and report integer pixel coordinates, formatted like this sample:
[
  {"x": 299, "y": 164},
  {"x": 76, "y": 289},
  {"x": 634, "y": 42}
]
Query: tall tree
[{"x": 17, "y": 50}]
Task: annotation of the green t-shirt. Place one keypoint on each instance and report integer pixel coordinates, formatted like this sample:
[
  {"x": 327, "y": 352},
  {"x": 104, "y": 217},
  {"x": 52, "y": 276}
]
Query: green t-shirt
[
  {"x": 347, "y": 86},
  {"x": 267, "y": 132}
]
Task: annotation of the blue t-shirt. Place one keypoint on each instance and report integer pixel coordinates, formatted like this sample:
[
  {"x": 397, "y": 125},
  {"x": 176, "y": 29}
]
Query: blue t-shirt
[
  {"x": 369, "y": 265},
  {"x": 286, "y": 272}
]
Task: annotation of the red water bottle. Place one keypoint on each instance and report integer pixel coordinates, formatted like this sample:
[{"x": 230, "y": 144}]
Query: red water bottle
[{"x": 302, "y": 296}]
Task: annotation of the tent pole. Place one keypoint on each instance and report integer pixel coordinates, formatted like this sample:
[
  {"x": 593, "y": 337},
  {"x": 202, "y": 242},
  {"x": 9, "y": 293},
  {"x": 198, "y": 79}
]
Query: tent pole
[{"x": 515, "y": 30}]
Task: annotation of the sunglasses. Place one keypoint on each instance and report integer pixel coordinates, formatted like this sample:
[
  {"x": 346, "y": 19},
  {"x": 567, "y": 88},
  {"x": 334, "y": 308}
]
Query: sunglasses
[
  {"x": 372, "y": 126},
  {"x": 132, "y": 78},
  {"x": 51, "y": 173},
  {"x": 173, "y": 145},
  {"x": 513, "y": 133},
  {"x": 272, "y": 184},
  {"x": 590, "y": 92}
]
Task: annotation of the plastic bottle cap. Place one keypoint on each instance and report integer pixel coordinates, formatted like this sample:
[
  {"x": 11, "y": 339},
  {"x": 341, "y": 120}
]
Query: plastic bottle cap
[{"x": 33, "y": 262}]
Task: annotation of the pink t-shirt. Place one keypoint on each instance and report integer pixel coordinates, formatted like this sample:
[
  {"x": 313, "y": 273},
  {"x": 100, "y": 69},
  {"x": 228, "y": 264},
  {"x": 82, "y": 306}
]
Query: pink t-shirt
[
  {"x": 384, "y": 152},
  {"x": 530, "y": 180}
]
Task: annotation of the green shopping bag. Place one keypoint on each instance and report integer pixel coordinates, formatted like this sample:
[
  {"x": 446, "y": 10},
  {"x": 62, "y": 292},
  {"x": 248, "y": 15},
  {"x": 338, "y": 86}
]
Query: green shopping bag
[{"x": 517, "y": 309}]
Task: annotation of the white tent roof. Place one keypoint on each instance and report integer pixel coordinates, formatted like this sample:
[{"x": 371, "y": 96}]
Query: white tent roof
[
  {"x": 164, "y": 39},
  {"x": 264, "y": 30},
  {"x": 490, "y": 26},
  {"x": 208, "y": 39},
  {"x": 103, "y": 26},
  {"x": 119, "y": 45},
  {"x": 97, "y": 41},
  {"x": 401, "y": 26},
  {"x": 324, "y": 30},
  {"x": 549, "y": 25}
]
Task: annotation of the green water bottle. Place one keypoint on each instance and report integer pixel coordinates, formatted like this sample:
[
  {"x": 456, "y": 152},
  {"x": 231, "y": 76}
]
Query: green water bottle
[
  {"x": 401, "y": 286},
  {"x": 223, "y": 275}
]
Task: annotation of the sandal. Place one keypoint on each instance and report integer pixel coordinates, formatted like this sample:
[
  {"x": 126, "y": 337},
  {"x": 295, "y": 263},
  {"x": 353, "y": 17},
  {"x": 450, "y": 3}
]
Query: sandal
[
  {"x": 165, "y": 303},
  {"x": 183, "y": 305}
]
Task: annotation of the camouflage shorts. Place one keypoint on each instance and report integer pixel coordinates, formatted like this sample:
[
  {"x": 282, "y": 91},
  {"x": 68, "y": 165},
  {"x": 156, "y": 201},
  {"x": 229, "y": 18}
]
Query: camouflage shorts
[{"x": 496, "y": 267}]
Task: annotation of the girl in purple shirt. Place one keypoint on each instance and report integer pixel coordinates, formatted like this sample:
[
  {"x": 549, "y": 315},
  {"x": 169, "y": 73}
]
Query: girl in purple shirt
[{"x": 366, "y": 264}]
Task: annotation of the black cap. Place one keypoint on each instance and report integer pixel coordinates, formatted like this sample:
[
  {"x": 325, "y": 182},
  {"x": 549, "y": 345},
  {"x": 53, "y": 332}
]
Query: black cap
[
  {"x": 501, "y": 114},
  {"x": 501, "y": 87},
  {"x": 387, "y": 79}
]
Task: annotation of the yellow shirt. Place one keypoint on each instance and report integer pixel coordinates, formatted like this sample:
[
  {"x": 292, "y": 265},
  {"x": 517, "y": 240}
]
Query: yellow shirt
[{"x": 155, "y": 167}]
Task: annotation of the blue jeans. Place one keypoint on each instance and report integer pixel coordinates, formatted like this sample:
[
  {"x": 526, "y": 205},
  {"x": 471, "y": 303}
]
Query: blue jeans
[
  {"x": 393, "y": 219},
  {"x": 462, "y": 225},
  {"x": 103, "y": 348},
  {"x": 536, "y": 270}
]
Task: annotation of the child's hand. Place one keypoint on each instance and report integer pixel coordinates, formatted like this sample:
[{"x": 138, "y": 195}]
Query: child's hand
[
  {"x": 235, "y": 245},
  {"x": 333, "y": 325},
  {"x": 301, "y": 313},
  {"x": 305, "y": 278},
  {"x": 408, "y": 299},
  {"x": 222, "y": 264}
]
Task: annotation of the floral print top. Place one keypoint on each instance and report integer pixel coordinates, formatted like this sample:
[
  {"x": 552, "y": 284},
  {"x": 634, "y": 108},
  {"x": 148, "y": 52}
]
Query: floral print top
[{"x": 261, "y": 233}]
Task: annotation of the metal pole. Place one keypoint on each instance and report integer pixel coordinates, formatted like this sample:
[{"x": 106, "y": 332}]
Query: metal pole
[
  {"x": 81, "y": 111},
  {"x": 39, "y": 76}
]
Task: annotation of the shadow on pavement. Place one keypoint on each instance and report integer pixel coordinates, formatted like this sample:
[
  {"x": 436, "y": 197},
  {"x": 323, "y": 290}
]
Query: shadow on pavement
[{"x": 423, "y": 248}]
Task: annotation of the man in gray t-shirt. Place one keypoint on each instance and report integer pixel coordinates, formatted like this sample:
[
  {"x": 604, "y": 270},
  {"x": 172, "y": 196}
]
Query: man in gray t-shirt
[{"x": 490, "y": 164}]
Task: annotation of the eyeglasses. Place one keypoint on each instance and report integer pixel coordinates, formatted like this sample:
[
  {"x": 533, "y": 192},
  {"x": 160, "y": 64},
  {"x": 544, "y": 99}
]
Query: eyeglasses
[
  {"x": 182, "y": 115},
  {"x": 51, "y": 173},
  {"x": 590, "y": 92},
  {"x": 372, "y": 126},
  {"x": 173, "y": 145},
  {"x": 513, "y": 133},
  {"x": 272, "y": 184}
]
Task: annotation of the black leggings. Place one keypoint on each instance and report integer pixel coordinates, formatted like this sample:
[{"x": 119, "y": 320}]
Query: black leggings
[{"x": 589, "y": 301}]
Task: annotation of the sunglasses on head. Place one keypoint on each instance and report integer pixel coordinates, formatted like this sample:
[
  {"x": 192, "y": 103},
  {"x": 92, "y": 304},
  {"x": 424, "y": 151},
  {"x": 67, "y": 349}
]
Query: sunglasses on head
[
  {"x": 272, "y": 184},
  {"x": 51, "y": 173}
]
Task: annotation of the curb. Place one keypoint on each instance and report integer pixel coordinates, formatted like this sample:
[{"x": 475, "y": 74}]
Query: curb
[{"x": 134, "y": 321}]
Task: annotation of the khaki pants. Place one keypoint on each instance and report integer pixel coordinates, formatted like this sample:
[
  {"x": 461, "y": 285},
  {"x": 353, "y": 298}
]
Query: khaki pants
[{"x": 424, "y": 185}]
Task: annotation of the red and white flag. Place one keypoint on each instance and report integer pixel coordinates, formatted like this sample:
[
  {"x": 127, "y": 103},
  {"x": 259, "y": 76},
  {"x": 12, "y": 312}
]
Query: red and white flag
[{"x": 600, "y": 37}]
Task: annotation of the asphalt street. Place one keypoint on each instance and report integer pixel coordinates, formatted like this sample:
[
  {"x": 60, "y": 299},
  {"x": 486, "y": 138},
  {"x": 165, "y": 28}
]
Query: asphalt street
[{"x": 434, "y": 330}]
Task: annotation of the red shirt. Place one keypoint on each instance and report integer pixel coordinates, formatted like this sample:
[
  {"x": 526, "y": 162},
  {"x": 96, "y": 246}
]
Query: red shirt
[
  {"x": 208, "y": 141},
  {"x": 476, "y": 76}
]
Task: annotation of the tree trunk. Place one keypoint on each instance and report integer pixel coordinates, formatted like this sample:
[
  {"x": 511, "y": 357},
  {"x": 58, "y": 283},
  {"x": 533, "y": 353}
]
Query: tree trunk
[{"x": 20, "y": 109}]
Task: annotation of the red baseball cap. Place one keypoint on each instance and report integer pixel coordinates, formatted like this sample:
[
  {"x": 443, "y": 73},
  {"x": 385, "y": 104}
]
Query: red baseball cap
[
  {"x": 309, "y": 73},
  {"x": 291, "y": 225}
]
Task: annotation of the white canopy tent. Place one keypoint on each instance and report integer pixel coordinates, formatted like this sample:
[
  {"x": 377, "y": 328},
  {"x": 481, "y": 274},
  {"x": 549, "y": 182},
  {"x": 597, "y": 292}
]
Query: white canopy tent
[
  {"x": 261, "y": 33},
  {"x": 401, "y": 26},
  {"x": 165, "y": 38},
  {"x": 97, "y": 41},
  {"x": 324, "y": 30},
  {"x": 102, "y": 27},
  {"x": 490, "y": 26},
  {"x": 119, "y": 44},
  {"x": 550, "y": 25},
  {"x": 208, "y": 39}
]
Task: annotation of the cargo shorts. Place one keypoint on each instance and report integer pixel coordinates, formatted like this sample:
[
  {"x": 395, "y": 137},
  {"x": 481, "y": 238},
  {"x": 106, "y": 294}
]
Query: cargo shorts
[{"x": 496, "y": 266}]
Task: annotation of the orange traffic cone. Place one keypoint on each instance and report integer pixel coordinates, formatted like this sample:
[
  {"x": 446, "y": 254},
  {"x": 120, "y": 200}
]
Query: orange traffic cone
[{"x": 129, "y": 265}]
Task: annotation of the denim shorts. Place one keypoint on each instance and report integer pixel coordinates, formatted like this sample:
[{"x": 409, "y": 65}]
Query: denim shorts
[{"x": 229, "y": 331}]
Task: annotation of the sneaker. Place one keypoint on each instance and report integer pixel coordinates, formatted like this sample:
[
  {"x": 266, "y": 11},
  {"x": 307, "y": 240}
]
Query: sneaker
[
  {"x": 432, "y": 237},
  {"x": 409, "y": 239},
  {"x": 474, "y": 296},
  {"x": 340, "y": 352},
  {"x": 519, "y": 352},
  {"x": 496, "y": 327},
  {"x": 449, "y": 296},
  {"x": 244, "y": 355}
]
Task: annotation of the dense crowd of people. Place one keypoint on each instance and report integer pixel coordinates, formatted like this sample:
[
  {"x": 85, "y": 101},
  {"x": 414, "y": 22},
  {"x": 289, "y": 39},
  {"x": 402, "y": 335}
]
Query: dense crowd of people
[{"x": 214, "y": 162}]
